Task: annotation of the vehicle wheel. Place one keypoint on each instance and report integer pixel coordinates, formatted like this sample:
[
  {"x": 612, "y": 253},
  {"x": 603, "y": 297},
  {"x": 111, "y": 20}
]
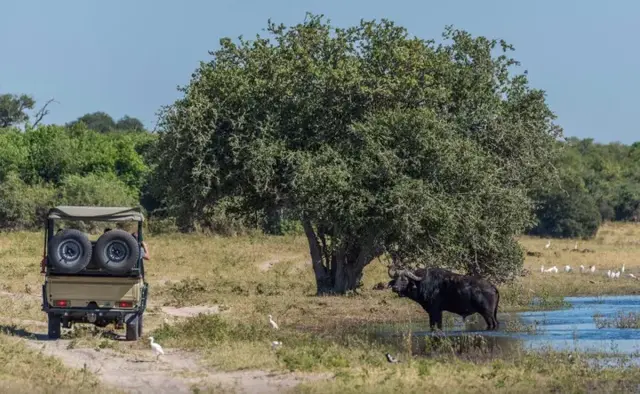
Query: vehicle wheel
[
  {"x": 69, "y": 251},
  {"x": 117, "y": 251},
  {"x": 133, "y": 329},
  {"x": 53, "y": 331}
]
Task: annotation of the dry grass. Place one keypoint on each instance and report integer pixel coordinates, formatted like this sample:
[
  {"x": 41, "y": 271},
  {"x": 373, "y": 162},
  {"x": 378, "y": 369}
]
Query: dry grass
[
  {"x": 23, "y": 370},
  {"x": 250, "y": 277}
]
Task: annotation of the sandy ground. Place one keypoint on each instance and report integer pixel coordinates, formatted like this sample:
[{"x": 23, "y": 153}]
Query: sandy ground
[{"x": 176, "y": 372}]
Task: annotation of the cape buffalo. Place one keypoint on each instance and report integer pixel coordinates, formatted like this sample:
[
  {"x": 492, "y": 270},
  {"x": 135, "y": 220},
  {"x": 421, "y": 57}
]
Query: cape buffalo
[{"x": 437, "y": 290}]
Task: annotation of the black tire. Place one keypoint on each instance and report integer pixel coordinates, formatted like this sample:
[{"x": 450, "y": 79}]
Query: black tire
[
  {"x": 134, "y": 329},
  {"x": 69, "y": 251},
  {"x": 53, "y": 331},
  {"x": 117, "y": 252}
]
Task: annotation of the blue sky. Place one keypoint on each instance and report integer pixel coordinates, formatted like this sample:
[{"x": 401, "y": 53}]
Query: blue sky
[{"x": 128, "y": 56}]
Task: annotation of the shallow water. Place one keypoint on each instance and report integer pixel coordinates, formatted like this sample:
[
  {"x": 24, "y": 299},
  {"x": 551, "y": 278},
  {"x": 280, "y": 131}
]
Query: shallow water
[{"x": 573, "y": 328}]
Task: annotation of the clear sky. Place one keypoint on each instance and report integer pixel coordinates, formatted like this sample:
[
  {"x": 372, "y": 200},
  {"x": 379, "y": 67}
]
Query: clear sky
[{"x": 128, "y": 56}]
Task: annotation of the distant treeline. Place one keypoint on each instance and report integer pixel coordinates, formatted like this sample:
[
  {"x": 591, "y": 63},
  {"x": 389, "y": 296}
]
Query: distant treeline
[
  {"x": 597, "y": 182},
  {"x": 98, "y": 161}
]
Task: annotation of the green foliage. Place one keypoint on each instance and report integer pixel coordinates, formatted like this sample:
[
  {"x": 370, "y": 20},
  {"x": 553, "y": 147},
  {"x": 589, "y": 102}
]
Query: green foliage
[
  {"x": 102, "y": 122},
  {"x": 52, "y": 154},
  {"x": 13, "y": 109},
  {"x": 604, "y": 176},
  {"x": 48, "y": 165},
  {"x": 567, "y": 210},
  {"x": 99, "y": 121},
  {"x": 97, "y": 189},
  {"x": 14, "y": 152},
  {"x": 372, "y": 138},
  {"x": 23, "y": 206},
  {"x": 129, "y": 123}
]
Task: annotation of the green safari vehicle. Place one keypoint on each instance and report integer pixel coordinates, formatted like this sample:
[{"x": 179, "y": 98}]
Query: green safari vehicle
[{"x": 97, "y": 282}]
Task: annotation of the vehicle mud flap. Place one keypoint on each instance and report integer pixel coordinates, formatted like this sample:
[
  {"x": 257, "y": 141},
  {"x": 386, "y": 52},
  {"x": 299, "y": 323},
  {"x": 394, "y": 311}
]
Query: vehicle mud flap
[
  {"x": 54, "y": 329},
  {"x": 132, "y": 327}
]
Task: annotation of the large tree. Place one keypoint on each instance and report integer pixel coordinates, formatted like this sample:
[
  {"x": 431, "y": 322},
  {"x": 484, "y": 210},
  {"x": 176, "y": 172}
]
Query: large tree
[
  {"x": 98, "y": 121},
  {"x": 376, "y": 140},
  {"x": 14, "y": 110},
  {"x": 102, "y": 122},
  {"x": 127, "y": 123}
]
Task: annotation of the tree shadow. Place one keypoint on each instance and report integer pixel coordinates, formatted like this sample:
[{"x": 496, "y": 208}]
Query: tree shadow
[{"x": 14, "y": 330}]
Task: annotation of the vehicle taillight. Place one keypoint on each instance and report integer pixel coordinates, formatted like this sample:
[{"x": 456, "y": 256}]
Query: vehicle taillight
[
  {"x": 125, "y": 304},
  {"x": 60, "y": 303}
]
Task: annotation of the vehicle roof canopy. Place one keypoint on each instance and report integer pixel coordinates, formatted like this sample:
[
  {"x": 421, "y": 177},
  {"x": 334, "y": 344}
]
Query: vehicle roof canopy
[{"x": 98, "y": 214}]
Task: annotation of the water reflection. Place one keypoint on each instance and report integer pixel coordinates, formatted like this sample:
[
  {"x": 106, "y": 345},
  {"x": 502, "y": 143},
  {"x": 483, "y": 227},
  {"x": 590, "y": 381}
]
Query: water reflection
[{"x": 571, "y": 329}]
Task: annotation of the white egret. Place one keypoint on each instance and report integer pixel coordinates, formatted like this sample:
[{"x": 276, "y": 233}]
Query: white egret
[
  {"x": 273, "y": 324},
  {"x": 390, "y": 358},
  {"x": 157, "y": 349}
]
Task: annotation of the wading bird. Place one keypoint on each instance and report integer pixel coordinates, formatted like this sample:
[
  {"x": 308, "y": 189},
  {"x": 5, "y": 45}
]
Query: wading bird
[
  {"x": 157, "y": 349},
  {"x": 273, "y": 324}
]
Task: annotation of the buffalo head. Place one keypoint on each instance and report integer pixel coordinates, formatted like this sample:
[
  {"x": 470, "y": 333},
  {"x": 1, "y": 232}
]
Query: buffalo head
[{"x": 403, "y": 281}]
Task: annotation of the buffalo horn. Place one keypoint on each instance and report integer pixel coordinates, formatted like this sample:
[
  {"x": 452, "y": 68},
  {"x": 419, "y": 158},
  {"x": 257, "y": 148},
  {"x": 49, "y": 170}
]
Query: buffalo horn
[
  {"x": 392, "y": 271},
  {"x": 411, "y": 275}
]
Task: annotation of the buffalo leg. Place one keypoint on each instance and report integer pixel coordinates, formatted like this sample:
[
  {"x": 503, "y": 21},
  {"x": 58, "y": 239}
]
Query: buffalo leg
[
  {"x": 491, "y": 325},
  {"x": 432, "y": 321},
  {"x": 435, "y": 319}
]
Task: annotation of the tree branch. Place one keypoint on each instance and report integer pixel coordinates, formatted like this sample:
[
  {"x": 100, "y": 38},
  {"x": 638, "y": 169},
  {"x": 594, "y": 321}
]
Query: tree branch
[
  {"x": 42, "y": 112},
  {"x": 369, "y": 251}
]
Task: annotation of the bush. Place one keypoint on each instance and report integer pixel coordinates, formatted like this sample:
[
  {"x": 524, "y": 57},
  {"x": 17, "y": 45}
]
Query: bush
[
  {"x": 97, "y": 189},
  {"x": 567, "y": 211},
  {"x": 53, "y": 154},
  {"x": 14, "y": 153},
  {"x": 628, "y": 203},
  {"x": 24, "y": 206}
]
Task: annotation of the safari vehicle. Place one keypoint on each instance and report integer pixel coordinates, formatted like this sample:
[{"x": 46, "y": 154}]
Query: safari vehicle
[{"x": 97, "y": 282}]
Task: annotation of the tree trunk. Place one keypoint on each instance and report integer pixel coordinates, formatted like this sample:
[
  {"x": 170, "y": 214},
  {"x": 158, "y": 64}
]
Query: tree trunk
[
  {"x": 348, "y": 276},
  {"x": 339, "y": 271}
]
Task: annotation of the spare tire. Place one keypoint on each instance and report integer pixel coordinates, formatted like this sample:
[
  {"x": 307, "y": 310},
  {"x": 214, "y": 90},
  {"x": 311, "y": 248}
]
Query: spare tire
[
  {"x": 69, "y": 251},
  {"x": 116, "y": 252}
]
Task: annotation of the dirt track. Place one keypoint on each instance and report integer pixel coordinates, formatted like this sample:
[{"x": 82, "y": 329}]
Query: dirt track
[
  {"x": 138, "y": 371},
  {"x": 176, "y": 372}
]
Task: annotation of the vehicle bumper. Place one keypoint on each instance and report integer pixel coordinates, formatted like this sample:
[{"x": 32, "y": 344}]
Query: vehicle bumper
[{"x": 99, "y": 317}]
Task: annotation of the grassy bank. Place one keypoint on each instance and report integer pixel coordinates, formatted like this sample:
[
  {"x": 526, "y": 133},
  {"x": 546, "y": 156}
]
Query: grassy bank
[{"x": 248, "y": 278}]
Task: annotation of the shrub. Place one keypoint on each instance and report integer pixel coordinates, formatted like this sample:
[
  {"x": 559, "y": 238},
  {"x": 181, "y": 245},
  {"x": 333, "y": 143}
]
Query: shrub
[
  {"x": 97, "y": 189},
  {"x": 567, "y": 211},
  {"x": 24, "y": 206}
]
